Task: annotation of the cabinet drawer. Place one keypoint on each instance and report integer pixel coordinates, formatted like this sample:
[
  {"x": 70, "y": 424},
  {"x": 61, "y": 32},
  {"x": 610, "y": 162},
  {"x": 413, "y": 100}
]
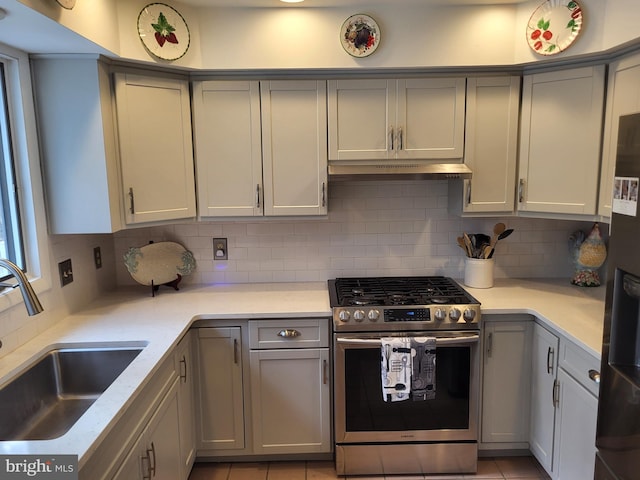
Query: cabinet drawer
[
  {"x": 289, "y": 333},
  {"x": 578, "y": 363}
]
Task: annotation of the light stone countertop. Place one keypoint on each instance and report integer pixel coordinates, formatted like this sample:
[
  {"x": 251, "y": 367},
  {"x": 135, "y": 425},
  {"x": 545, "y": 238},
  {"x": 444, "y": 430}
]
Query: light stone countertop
[{"x": 132, "y": 316}]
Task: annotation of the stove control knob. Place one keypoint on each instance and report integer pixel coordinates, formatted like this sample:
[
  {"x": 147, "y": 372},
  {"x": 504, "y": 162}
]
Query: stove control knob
[
  {"x": 344, "y": 316},
  {"x": 440, "y": 314},
  {"x": 455, "y": 314},
  {"x": 374, "y": 315},
  {"x": 358, "y": 315},
  {"x": 469, "y": 314}
]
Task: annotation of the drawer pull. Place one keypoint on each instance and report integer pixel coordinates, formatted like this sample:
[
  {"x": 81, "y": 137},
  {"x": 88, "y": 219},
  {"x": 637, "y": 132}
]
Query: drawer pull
[
  {"x": 288, "y": 333},
  {"x": 550, "y": 354},
  {"x": 594, "y": 375}
]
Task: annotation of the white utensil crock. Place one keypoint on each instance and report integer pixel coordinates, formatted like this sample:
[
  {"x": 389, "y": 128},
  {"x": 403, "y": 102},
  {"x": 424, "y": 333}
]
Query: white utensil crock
[{"x": 478, "y": 272}]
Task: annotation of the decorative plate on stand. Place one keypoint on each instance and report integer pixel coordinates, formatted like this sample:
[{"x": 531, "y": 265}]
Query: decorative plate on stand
[
  {"x": 360, "y": 35},
  {"x": 163, "y": 31},
  {"x": 554, "y": 26},
  {"x": 159, "y": 263}
]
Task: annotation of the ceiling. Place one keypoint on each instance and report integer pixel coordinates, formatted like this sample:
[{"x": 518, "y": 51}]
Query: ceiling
[{"x": 342, "y": 3}]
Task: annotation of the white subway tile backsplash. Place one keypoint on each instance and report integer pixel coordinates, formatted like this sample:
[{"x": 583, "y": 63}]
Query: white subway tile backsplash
[{"x": 372, "y": 228}]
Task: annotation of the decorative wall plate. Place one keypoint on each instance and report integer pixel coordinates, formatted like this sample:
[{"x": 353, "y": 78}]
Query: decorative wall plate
[
  {"x": 360, "y": 35},
  {"x": 163, "y": 31},
  {"x": 554, "y": 26},
  {"x": 158, "y": 263},
  {"x": 68, "y": 4}
]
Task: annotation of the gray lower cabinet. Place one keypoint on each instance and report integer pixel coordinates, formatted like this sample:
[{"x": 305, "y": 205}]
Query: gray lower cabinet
[
  {"x": 506, "y": 378},
  {"x": 264, "y": 388},
  {"x": 543, "y": 391},
  {"x": 290, "y": 386},
  {"x": 156, "y": 454},
  {"x": 539, "y": 392},
  {"x": 220, "y": 404}
]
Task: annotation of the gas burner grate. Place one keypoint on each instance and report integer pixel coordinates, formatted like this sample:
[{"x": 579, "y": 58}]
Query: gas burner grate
[{"x": 398, "y": 291}]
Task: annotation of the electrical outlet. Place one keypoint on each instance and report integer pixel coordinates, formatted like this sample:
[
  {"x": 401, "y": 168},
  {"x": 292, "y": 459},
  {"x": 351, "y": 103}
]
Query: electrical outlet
[
  {"x": 66, "y": 272},
  {"x": 220, "y": 251},
  {"x": 97, "y": 257}
]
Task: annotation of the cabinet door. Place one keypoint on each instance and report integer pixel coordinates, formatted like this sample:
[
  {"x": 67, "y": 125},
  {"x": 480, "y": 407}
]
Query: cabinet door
[
  {"x": 186, "y": 385},
  {"x": 575, "y": 431},
  {"x": 362, "y": 115},
  {"x": 294, "y": 147},
  {"x": 491, "y": 145},
  {"x": 228, "y": 148},
  {"x": 505, "y": 389},
  {"x": 290, "y": 401},
  {"x": 156, "y": 453},
  {"x": 220, "y": 398},
  {"x": 623, "y": 96},
  {"x": 543, "y": 383},
  {"x": 430, "y": 118},
  {"x": 560, "y": 141},
  {"x": 154, "y": 130},
  {"x": 163, "y": 439}
]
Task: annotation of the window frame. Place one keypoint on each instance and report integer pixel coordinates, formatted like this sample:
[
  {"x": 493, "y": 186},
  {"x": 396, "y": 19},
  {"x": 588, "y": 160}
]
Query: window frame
[{"x": 27, "y": 176}]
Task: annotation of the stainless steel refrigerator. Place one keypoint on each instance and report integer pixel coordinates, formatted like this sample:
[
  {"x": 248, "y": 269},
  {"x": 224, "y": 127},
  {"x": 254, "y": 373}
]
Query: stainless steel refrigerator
[{"x": 618, "y": 430}]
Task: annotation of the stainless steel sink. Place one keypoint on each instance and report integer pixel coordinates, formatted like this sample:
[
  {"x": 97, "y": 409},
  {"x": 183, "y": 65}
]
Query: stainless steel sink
[{"x": 46, "y": 400}]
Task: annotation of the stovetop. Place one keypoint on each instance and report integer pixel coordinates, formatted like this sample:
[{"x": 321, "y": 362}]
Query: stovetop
[{"x": 402, "y": 303}]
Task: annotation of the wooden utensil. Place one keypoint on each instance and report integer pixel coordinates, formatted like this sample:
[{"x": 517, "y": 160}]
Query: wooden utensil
[
  {"x": 502, "y": 236},
  {"x": 498, "y": 229},
  {"x": 467, "y": 243}
]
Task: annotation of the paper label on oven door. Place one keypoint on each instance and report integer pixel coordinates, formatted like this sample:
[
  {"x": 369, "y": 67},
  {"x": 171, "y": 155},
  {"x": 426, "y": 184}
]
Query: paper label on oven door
[{"x": 625, "y": 195}]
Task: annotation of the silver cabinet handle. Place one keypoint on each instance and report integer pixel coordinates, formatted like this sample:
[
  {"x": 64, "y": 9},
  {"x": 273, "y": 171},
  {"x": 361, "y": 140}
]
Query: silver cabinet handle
[
  {"x": 131, "y": 204},
  {"x": 555, "y": 393},
  {"x": 521, "y": 185},
  {"x": 594, "y": 375},
  {"x": 400, "y": 139},
  {"x": 391, "y": 137},
  {"x": 258, "y": 195},
  {"x": 183, "y": 369},
  {"x": 289, "y": 333},
  {"x": 467, "y": 200},
  {"x": 146, "y": 475},
  {"x": 550, "y": 355},
  {"x": 325, "y": 376},
  {"x": 235, "y": 351},
  {"x": 152, "y": 464},
  {"x": 489, "y": 344},
  {"x": 324, "y": 196}
]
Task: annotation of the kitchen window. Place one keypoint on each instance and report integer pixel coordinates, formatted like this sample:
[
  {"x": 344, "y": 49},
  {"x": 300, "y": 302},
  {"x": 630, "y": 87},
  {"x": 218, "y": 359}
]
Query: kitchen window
[
  {"x": 23, "y": 229},
  {"x": 10, "y": 231}
]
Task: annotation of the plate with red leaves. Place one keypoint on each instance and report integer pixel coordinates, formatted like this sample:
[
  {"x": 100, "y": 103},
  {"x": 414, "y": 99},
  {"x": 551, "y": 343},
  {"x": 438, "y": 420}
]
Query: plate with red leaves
[
  {"x": 360, "y": 35},
  {"x": 163, "y": 31},
  {"x": 554, "y": 26}
]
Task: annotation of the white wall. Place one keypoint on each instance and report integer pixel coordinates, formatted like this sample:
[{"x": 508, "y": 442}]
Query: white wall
[
  {"x": 16, "y": 327},
  {"x": 373, "y": 228}
]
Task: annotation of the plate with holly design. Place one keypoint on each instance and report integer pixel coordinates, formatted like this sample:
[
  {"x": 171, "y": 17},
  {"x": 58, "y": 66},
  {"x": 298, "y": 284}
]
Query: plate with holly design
[
  {"x": 554, "y": 26},
  {"x": 163, "y": 31}
]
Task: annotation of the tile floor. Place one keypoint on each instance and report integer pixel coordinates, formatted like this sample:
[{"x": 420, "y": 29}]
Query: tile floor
[{"x": 488, "y": 468}]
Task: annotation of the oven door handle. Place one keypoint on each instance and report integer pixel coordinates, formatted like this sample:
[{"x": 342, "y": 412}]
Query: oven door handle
[{"x": 443, "y": 341}]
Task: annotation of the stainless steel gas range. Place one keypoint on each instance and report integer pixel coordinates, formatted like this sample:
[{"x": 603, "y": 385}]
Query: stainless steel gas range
[{"x": 374, "y": 435}]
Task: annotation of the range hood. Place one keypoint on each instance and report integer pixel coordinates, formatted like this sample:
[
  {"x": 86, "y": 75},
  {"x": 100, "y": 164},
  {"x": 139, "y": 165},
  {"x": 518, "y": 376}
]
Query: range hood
[{"x": 431, "y": 171}]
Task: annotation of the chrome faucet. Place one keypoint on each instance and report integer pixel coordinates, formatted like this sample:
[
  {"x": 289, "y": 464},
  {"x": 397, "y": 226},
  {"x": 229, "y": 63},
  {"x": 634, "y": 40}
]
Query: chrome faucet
[{"x": 30, "y": 299}]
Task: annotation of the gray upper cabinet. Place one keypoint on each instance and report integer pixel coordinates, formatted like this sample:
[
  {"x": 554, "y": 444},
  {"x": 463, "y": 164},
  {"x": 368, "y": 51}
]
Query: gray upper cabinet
[
  {"x": 261, "y": 147},
  {"x": 78, "y": 145},
  {"x": 491, "y": 147},
  {"x": 112, "y": 155},
  {"x": 561, "y": 129},
  {"x": 384, "y": 119}
]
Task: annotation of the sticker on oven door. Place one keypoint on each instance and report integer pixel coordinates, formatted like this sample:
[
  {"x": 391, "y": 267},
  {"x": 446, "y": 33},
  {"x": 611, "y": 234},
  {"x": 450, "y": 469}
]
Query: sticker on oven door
[{"x": 625, "y": 195}]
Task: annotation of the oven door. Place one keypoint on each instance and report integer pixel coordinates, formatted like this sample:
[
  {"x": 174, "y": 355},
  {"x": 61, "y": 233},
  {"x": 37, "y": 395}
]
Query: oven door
[{"x": 362, "y": 415}]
